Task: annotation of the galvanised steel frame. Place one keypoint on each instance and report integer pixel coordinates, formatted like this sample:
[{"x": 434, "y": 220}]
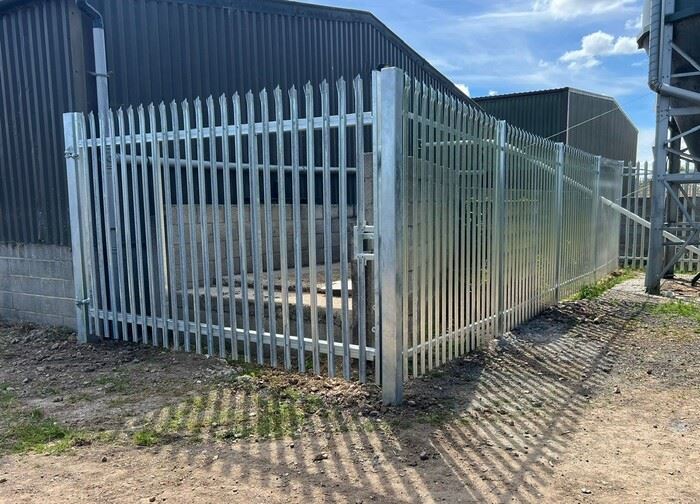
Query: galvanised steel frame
[{"x": 673, "y": 211}]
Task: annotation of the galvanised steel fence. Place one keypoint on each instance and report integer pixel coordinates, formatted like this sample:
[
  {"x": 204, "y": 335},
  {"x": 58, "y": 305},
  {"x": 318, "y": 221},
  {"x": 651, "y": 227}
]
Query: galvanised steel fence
[
  {"x": 376, "y": 239},
  {"x": 480, "y": 226},
  {"x": 635, "y": 233}
]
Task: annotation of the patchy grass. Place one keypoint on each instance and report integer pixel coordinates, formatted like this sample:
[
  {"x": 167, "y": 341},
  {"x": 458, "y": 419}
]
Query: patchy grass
[
  {"x": 272, "y": 413},
  {"x": 34, "y": 431},
  {"x": 22, "y": 431},
  {"x": 679, "y": 309},
  {"x": 592, "y": 291},
  {"x": 146, "y": 437},
  {"x": 6, "y": 398},
  {"x": 117, "y": 383}
]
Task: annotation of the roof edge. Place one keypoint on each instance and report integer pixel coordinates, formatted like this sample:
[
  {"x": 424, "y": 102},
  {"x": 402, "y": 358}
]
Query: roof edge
[{"x": 521, "y": 93}]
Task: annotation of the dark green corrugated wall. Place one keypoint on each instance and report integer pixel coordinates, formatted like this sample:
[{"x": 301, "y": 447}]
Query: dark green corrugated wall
[
  {"x": 159, "y": 50},
  {"x": 595, "y": 124}
]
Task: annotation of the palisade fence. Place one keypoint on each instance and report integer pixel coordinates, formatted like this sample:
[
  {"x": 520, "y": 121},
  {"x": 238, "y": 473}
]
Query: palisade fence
[
  {"x": 637, "y": 199},
  {"x": 376, "y": 240}
]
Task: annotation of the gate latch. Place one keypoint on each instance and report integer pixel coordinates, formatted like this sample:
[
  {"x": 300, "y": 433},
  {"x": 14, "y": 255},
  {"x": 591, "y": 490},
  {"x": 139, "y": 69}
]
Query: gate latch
[
  {"x": 363, "y": 238},
  {"x": 82, "y": 302}
]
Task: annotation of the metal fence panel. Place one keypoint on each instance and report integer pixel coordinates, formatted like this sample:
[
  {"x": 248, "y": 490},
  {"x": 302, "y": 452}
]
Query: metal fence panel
[{"x": 496, "y": 224}]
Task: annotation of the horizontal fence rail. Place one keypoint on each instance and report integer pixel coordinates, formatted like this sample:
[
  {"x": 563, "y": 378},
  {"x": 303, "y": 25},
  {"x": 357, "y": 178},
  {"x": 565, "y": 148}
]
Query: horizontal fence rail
[
  {"x": 637, "y": 199},
  {"x": 224, "y": 227}
]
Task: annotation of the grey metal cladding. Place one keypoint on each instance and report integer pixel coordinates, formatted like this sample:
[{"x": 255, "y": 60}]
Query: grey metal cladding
[
  {"x": 541, "y": 113},
  {"x": 611, "y": 135}
]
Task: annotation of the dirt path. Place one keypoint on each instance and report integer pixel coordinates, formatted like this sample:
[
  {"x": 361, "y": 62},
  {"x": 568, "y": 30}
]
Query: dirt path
[{"x": 593, "y": 401}]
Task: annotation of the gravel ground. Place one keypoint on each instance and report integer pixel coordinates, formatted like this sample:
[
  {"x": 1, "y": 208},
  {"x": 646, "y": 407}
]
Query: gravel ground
[{"x": 592, "y": 401}]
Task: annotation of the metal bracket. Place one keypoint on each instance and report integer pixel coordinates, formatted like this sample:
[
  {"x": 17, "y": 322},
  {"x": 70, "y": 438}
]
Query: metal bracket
[
  {"x": 100, "y": 74},
  {"x": 360, "y": 235},
  {"x": 83, "y": 302},
  {"x": 69, "y": 154}
]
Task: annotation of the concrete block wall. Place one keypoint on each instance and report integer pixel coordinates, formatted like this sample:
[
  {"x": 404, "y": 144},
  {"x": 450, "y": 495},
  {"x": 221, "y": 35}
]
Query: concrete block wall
[
  {"x": 36, "y": 284},
  {"x": 212, "y": 243}
]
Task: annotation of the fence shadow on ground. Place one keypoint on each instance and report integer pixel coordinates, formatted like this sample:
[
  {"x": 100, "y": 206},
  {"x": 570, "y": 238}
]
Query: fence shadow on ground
[{"x": 483, "y": 428}]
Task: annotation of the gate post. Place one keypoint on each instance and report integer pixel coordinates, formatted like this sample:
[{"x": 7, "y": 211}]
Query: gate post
[
  {"x": 389, "y": 232},
  {"x": 70, "y": 136},
  {"x": 501, "y": 140},
  {"x": 558, "y": 210}
]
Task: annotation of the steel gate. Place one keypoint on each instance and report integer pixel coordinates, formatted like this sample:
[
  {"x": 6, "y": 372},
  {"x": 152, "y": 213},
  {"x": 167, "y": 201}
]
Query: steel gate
[{"x": 225, "y": 227}]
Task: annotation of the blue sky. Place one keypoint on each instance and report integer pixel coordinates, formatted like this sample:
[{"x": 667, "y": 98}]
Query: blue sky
[{"x": 503, "y": 46}]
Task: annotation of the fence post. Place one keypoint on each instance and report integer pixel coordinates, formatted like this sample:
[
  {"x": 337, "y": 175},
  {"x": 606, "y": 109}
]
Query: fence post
[
  {"x": 70, "y": 136},
  {"x": 558, "y": 211},
  {"x": 501, "y": 139},
  {"x": 388, "y": 208},
  {"x": 594, "y": 216}
]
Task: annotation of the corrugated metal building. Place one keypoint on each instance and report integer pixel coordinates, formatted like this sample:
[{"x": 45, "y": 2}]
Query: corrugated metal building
[
  {"x": 589, "y": 121},
  {"x": 155, "y": 50}
]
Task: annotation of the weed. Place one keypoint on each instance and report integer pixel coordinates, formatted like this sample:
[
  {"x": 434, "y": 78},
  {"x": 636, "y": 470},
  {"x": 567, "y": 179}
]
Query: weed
[
  {"x": 146, "y": 437},
  {"x": 114, "y": 383},
  {"x": 6, "y": 397},
  {"x": 79, "y": 397},
  {"x": 592, "y": 291},
  {"x": 33, "y": 431}
]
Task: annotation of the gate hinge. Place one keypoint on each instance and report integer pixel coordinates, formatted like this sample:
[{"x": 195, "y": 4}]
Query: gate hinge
[
  {"x": 82, "y": 302},
  {"x": 69, "y": 154},
  {"x": 362, "y": 234}
]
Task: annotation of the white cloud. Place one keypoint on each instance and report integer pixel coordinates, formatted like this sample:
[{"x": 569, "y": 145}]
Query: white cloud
[
  {"x": 634, "y": 24},
  {"x": 532, "y": 15},
  {"x": 568, "y": 9},
  {"x": 595, "y": 45},
  {"x": 493, "y": 93},
  {"x": 464, "y": 89}
]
